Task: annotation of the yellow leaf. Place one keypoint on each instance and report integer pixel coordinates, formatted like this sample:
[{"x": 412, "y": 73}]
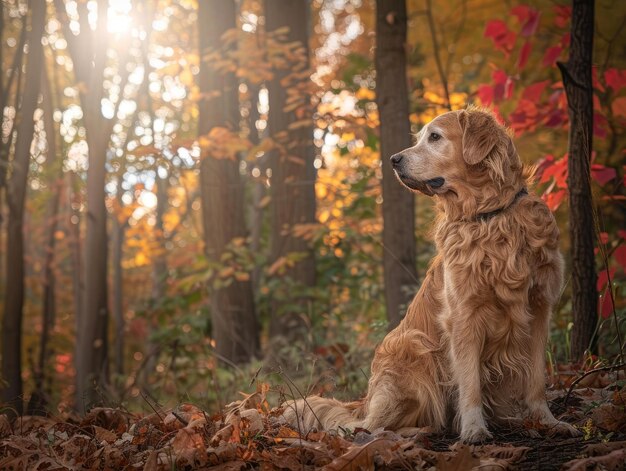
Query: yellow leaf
[
  {"x": 365, "y": 94},
  {"x": 140, "y": 259}
]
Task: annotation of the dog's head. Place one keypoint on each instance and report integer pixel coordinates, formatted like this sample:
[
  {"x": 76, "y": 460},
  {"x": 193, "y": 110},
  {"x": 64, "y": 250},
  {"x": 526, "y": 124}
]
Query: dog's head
[{"x": 459, "y": 153}]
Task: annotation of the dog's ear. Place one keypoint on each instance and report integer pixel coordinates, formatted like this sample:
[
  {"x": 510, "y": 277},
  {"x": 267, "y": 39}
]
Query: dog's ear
[{"x": 481, "y": 133}]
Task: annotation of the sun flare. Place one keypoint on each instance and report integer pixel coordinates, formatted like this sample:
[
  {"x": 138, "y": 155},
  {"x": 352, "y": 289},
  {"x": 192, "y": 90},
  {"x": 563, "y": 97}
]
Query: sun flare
[{"x": 119, "y": 19}]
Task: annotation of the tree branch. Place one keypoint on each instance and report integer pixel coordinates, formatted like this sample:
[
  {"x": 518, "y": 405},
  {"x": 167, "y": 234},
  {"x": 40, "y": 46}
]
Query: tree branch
[{"x": 433, "y": 33}]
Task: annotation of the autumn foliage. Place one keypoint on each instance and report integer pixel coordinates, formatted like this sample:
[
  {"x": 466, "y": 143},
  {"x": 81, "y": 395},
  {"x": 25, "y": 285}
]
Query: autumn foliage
[{"x": 162, "y": 281}]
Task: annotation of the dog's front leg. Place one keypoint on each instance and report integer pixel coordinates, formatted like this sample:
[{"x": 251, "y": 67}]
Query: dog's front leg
[{"x": 465, "y": 350}]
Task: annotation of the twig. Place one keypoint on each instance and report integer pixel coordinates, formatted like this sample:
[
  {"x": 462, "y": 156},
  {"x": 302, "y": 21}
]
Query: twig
[
  {"x": 151, "y": 406},
  {"x": 605, "y": 259},
  {"x": 595, "y": 370},
  {"x": 180, "y": 419}
]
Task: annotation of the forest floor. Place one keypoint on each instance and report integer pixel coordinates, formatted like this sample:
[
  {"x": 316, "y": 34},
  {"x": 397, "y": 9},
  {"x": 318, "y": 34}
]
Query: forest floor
[{"x": 250, "y": 434}]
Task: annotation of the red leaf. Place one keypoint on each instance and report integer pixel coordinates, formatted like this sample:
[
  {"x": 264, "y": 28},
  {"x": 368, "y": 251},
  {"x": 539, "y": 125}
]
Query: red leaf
[
  {"x": 599, "y": 125},
  {"x": 597, "y": 106},
  {"x": 485, "y": 94},
  {"x": 495, "y": 28},
  {"x": 597, "y": 85},
  {"x": 620, "y": 256},
  {"x": 533, "y": 92},
  {"x": 544, "y": 164},
  {"x": 554, "y": 199},
  {"x": 619, "y": 106},
  {"x": 531, "y": 24},
  {"x": 603, "y": 174},
  {"x": 604, "y": 238},
  {"x": 499, "y": 76},
  {"x": 603, "y": 278},
  {"x": 521, "y": 12},
  {"x": 563, "y": 14},
  {"x": 523, "y": 55},
  {"x": 502, "y": 37},
  {"x": 555, "y": 118},
  {"x": 566, "y": 39},
  {"x": 551, "y": 55},
  {"x": 558, "y": 171},
  {"x": 500, "y": 79},
  {"x": 616, "y": 79},
  {"x": 606, "y": 308}
]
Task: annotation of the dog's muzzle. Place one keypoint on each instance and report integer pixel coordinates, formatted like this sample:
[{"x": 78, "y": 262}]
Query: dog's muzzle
[{"x": 427, "y": 187}]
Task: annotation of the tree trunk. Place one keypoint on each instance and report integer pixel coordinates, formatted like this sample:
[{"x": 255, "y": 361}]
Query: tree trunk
[
  {"x": 5, "y": 146},
  {"x": 259, "y": 190},
  {"x": 233, "y": 318},
  {"x": 12, "y": 319},
  {"x": 38, "y": 401},
  {"x": 293, "y": 171},
  {"x": 73, "y": 229},
  {"x": 579, "y": 90},
  {"x": 159, "y": 273},
  {"x": 119, "y": 233},
  {"x": 88, "y": 50},
  {"x": 399, "y": 244}
]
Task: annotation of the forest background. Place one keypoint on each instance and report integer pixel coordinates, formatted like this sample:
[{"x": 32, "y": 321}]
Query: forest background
[{"x": 191, "y": 192}]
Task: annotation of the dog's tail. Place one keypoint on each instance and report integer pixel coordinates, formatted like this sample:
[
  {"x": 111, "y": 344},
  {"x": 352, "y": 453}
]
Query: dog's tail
[{"x": 321, "y": 413}]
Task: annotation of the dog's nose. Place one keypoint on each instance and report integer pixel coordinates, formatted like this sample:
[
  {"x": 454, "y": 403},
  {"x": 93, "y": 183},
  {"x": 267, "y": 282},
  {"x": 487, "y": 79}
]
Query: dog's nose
[{"x": 396, "y": 159}]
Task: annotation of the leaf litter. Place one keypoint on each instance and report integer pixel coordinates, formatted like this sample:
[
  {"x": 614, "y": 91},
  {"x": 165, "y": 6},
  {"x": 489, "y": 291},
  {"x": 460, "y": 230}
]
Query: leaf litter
[{"x": 249, "y": 434}]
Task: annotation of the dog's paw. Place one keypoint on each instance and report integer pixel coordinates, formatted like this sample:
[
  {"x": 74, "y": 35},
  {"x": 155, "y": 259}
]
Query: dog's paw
[
  {"x": 475, "y": 435},
  {"x": 563, "y": 428}
]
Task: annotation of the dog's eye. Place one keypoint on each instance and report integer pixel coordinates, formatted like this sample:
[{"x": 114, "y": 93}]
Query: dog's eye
[{"x": 434, "y": 136}]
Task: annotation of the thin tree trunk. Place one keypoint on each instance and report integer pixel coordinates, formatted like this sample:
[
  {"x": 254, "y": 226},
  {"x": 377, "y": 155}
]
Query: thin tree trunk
[
  {"x": 399, "y": 244},
  {"x": 159, "y": 272},
  {"x": 293, "y": 171},
  {"x": 119, "y": 233},
  {"x": 73, "y": 229},
  {"x": 578, "y": 86},
  {"x": 259, "y": 190},
  {"x": 38, "y": 401},
  {"x": 233, "y": 318},
  {"x": 12, "y": 319}
]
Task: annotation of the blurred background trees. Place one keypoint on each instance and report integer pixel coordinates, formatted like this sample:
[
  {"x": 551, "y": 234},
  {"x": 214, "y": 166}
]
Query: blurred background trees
[{"x": 194, "y": 194}]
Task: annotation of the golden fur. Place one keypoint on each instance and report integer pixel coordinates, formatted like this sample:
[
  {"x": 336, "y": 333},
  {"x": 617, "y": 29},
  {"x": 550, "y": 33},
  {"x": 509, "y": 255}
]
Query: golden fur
[{"x": 472, "y": 344}]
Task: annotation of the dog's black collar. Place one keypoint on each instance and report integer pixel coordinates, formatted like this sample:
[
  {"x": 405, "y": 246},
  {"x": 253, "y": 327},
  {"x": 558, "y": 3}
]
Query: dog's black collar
[{"x": 495, "y": 212}]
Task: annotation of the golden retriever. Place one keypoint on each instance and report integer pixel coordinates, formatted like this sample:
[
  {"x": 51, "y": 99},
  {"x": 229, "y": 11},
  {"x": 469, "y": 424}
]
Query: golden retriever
[{"x": 472, "y": 345}]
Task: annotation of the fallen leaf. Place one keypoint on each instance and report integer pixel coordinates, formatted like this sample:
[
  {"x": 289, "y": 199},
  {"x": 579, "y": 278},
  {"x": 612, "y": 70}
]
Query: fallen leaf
[{"x": 362, "y": 457}]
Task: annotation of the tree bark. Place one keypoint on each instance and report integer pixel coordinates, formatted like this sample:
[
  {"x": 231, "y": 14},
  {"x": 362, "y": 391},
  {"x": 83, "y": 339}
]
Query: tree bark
[
  {"x": 119, "y": 233},
  {"x": 259, "y": 190},
  {"x": 5, "y": 146},
  {"x": 293, "y": 173},
  {"x": 38, "y": 401},
  {"x": 578, "y": 86},
  {"x": 88, "y": 50},
  {"x": 233, "y": 319},
  {"x": 73, "y": 230},
  {"x": 400, "y": 273},
  {"x": 16, "y": 196},
  {"x": 159, "y": 272}
]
